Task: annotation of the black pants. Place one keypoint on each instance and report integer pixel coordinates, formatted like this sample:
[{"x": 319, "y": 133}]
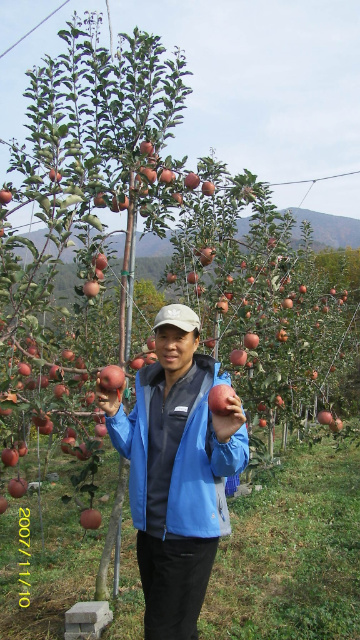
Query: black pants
[{"x": 174, "y": 576}]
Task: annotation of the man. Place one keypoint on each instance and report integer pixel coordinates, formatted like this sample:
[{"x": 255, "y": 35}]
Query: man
[{"x": 180, "y": 457}]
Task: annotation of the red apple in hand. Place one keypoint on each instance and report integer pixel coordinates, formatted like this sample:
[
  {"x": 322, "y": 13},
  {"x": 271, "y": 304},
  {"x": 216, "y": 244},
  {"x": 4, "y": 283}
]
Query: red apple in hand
[
  {"x": 218, "y": 399},
  {"x": 111, "y": 377}
]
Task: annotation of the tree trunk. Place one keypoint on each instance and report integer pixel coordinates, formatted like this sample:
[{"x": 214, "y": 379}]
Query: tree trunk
[
  {"x": 271, "y": 434},
  {"x": 124, "y": 276},
  {"x": 284, "y": 437},
  {"x": 47, "y": 457},
  {"x": 101, "y": 590},
  {"x": 315, "y": 406},
  {"x": 216, "y": 335},
  {"x": 248, "y": 472}
]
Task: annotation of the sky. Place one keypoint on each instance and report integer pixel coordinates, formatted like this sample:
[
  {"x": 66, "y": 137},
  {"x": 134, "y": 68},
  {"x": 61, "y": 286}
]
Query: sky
[{"x": 276, "y": 85}]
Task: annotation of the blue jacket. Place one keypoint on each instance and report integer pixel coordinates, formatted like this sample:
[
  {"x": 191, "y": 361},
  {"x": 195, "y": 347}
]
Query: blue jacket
[{"x": 196, "y": 503}]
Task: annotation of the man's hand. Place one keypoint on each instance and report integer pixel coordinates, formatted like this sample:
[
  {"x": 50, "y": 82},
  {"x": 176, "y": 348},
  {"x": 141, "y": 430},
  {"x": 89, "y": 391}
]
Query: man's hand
[
  {"x": 226, "y": 426},
  {"x": 108, "y": 401}
]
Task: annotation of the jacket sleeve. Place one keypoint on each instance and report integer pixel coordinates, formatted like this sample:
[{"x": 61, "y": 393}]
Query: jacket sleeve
[
  {"x": 230, "y": 457},
  {"x": 121, "y": 430}
]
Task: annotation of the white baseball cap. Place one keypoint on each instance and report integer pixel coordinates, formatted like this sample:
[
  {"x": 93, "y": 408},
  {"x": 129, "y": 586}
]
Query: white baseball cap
[{"x": 178, "y": 315}]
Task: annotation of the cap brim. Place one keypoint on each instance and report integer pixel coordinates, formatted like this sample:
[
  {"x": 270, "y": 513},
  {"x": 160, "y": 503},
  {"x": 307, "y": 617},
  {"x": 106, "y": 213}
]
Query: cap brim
[{"x": 185, "y": 326}]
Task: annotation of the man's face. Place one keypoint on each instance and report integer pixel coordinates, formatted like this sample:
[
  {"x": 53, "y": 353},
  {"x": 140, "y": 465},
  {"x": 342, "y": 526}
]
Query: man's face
[{"x": 175, "y": 348}]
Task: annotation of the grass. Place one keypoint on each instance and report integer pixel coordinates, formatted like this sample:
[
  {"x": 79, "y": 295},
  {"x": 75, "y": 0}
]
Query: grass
[{"x": 290, "y": 569}]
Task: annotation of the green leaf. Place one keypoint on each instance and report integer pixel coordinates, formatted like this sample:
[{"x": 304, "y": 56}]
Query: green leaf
[
  {"x": 74, "y": 479},
  {"x": 32, "y": 321},
  {"x": 19, "y": 240},
  {"x": 64, "y": 310},
  {"x": 93, "y": 221},
  {"x": 33, "y": 180},
  {"x": 42, "y": 217},
  {"x": 72, "y": 199},
  {"x": 90, "y": 488},
  {"x": 44, "y": 202}
]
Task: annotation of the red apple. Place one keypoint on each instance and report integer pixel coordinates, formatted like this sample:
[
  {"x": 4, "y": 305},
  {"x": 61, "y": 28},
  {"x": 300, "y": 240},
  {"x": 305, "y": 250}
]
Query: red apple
[
  {"x": 324, "y": 417},
  {"x": 146, "y": 148},
  {"x": 136, "y": 363},
  {"x": 171, "y": 277},
  {"x": 178, "y": 197},
  {"x": 192, "y": 180},
  {"x": 60, "y": 390},
  {"x": 55, "y": 372},
  {"x": 251, "y": 340},
  {"x": 17, "y": 487},
  {"x": 151, "y": 343},
  {"x": 336, "y": 425},
  {"x": 208, "y": 188},
  {"x": 117, "y": 206},
  {"x": 55, "y": 176},
  {"x": 42, "y": 382},
  {"x": 99, "y": 274},
  {"x": 67, "y": 444},
  {"x": 287, "y": 303},
  {"x": 218, "y": 399},
  {"x": 302, "y": 288},
  {"x": 262, "y": 422},
  {"x": 24, "y": 369},
  {"x": 111, "y": 377},
  {"x": 210, "y": 342},
  {"x": 47, "y": 428},
  {"x": 84, "y": 453},
  {"x": 3, "y": 504},
  {"x": 99, "y": 415},
  {"x": 67, "y": 354},
  {"x": 5, "y": 196},
  {"x": 192, "y": 277},
  {"x": 100, "y": 261},
  {"x": 150, "y": 358},
  {"x": 21, "y": 448},
  {"x": 223, "y": 305},
  {"x": 89, "y": 397},
  {"x": 99, "y": 201},
  {"x": 238, "y": 357},
  {"x": 70, "y": 432},
  {"x": 207, "y": 255},
  {"x": 149, "y": 173},
  {"x": 39, "y": 418},
  {"x": 167, "y": 176},
  {"x": 279, "y": 401},
  {"x": 91, "y": 288},
  {"x": 33, "y": 351},
  {"x": 90, "y": 519},
  {"x": 10, "y": 457},
  {"x": 100, "y": 430}
]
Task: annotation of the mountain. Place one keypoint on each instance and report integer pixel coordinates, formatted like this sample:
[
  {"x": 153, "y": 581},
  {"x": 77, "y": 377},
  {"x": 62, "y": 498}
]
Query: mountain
[
  {"x": 328, "y": 231},
  {"x": 331, "y": 231}
]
